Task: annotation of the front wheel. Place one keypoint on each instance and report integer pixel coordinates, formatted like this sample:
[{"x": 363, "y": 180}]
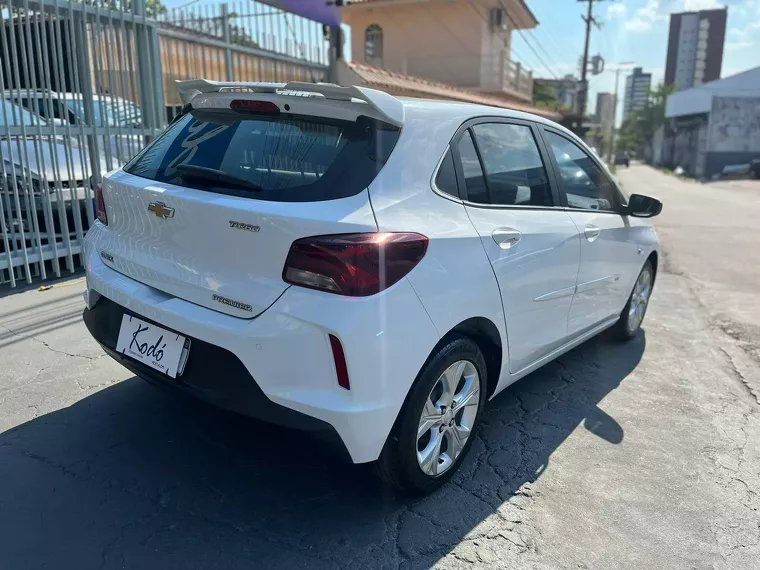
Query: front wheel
[
  {"x": 435, "y": 429},
  {"x": 636, "y": 307}
]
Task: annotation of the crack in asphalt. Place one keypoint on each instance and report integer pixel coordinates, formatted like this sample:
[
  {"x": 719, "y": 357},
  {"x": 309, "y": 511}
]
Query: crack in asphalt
[{"x": 46, "y": 345}]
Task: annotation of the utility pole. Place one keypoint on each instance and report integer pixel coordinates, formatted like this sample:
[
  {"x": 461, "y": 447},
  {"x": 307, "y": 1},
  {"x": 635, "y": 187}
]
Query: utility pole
[
  {"x": 334, "y": 35},
  {"x": 583, "y": 95},
  {"x": 611, "y": 146}
]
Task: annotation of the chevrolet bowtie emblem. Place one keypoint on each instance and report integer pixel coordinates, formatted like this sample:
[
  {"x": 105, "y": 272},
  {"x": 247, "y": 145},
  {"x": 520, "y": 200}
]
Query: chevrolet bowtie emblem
[{"x": 161, "y": 210}]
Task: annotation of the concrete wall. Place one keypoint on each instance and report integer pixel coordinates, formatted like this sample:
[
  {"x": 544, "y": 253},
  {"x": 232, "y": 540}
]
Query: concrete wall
[{"x": 734, "y": 125}]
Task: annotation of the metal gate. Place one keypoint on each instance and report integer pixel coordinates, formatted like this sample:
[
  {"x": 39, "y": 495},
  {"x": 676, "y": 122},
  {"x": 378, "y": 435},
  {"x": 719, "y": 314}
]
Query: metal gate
[{"x": 85, "y": 85}]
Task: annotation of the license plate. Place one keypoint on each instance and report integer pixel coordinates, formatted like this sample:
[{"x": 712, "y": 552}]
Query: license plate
[{"x": 156, "y": 347}]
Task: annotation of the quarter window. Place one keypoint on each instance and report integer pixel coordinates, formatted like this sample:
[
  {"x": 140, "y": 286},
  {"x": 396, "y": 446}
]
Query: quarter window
[
  {"x": 514, "y": 171},
  {"x": 446, "y": 181},
  {"x": 585, "y": 185},
  {"x": 474, "y": 181}
]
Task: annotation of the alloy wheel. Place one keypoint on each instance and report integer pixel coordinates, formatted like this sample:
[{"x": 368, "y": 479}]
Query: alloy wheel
[
  {"x": 448, "y": 417},
  {"x": 639, "y": 299}
]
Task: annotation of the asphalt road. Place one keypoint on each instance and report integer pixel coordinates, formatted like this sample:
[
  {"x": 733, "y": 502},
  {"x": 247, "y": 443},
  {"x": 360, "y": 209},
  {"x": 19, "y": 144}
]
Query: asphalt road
[{"x": 641, "y": 456}]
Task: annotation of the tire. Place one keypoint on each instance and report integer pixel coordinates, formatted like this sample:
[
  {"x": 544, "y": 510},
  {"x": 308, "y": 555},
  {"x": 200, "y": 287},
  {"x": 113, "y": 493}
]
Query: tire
[
  {"x": 630, "y": 321},
  {"x": 398, "y": 464}
]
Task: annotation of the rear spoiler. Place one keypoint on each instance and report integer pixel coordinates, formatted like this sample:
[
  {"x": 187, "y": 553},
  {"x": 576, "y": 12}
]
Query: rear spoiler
[{"x": 387, "y": 106}]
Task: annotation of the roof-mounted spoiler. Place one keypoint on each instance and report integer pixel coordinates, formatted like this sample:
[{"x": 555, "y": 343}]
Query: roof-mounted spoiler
[{"x": 387, "y": 106}]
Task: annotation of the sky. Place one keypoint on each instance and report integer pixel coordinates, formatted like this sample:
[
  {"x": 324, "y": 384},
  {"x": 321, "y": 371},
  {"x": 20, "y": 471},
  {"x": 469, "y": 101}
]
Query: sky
[{"x": 632, "y": 31}]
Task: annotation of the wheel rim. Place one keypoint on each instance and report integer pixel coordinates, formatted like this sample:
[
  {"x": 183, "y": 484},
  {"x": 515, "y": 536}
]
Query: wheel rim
[
  {"x": 639, "y": 299},
  {"x": 448, "y": 417}
]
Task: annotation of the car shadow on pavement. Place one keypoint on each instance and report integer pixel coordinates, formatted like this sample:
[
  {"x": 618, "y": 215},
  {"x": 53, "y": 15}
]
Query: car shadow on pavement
[{"x": 132, "y": 477}]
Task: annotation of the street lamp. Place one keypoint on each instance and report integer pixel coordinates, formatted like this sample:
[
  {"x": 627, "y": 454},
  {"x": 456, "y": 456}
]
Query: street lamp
[{"x": 623, "y": 65}]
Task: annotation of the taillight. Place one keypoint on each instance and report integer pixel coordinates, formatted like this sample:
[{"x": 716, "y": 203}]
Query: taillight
[
  {"x": 356, "y": 265},
  {"x": 100, "y": 205}
]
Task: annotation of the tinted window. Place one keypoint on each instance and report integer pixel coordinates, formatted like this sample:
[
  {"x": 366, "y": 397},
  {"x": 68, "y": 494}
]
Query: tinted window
[
  {"x": 268, "y": 157},
  {"x": 584, "y": 182},
  {"x": 474, "y": 181},
  {"x": 514, "y": 170},
  {"x": 446, "y": 181}
]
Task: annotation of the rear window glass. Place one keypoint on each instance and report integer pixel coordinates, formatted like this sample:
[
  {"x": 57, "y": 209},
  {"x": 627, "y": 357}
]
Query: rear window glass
[{"x": 268, "y": 157}]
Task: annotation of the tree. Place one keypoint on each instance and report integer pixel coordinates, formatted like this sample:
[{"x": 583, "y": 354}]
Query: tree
[
  {"x": 545, "y": 96},
  {"x": 154, "y": 8},
  {"x": 639, "y": 127}
]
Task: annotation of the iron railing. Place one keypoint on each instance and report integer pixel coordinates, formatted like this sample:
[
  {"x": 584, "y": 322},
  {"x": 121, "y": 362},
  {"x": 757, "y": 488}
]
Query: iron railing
[{"x": 85, "y": 85}]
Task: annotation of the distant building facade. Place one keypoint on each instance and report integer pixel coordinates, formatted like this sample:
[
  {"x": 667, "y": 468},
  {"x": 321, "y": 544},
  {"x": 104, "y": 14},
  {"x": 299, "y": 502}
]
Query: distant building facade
[
  {"x": 411, "y": 37},
  {"x": 712, "y": 126},
  {"x": 695, "y": 48},
  {"x": 636, "y": 96},
  {"x": 605, "y": 110},
  {"x": 565, "y": 89}
]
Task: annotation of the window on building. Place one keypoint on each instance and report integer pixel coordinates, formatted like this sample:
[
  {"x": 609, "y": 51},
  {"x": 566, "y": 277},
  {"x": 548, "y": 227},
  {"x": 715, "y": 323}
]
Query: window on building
[{"x": 373, "y": 45}]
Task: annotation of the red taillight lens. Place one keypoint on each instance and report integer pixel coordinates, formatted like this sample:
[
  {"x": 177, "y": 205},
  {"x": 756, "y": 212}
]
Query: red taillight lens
[
  {"x": 100, "y": 205},
  {"x": 356, "y": 265},
  {"x": 252, "y": 105},
  {"x": 340, "y": 362}
]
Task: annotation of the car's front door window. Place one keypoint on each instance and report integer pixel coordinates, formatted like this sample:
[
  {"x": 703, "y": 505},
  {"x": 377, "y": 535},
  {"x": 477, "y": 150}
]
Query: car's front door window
[{"x": 585, "y": 185}]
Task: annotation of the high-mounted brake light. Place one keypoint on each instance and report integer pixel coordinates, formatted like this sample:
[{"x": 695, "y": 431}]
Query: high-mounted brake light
[
  {"x": 253, "y": 105},
  {"x": 100, "y": 205},
  {"x": 356, "y": 265}
]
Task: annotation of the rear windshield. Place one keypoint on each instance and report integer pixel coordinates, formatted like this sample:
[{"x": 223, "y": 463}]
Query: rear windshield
[{"x": 268, "y": 157}]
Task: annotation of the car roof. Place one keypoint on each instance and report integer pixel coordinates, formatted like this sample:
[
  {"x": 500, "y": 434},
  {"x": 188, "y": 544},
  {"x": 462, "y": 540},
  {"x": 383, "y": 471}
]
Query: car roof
[
  {"x": 449, "y": 108},
  {"x": 441, "y": 109}
]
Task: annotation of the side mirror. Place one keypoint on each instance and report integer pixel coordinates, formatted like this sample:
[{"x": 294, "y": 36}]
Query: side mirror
[{"x": 640, "y": 206}]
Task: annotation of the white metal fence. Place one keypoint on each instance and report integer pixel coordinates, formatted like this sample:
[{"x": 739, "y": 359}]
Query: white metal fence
[{"x": 85, "y": 85}]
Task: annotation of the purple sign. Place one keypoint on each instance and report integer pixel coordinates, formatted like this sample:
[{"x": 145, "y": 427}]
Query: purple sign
[{"x": 317, "y": 10}]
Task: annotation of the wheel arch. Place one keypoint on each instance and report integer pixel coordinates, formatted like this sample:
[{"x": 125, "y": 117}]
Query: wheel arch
[
  {"x": 486, "y": 335},
  {"x": 653, "y": 259}
]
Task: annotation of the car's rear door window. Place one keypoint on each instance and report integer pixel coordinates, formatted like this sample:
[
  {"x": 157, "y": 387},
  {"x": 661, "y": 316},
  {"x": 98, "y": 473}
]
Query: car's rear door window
[{"x": 268, "y": 157}]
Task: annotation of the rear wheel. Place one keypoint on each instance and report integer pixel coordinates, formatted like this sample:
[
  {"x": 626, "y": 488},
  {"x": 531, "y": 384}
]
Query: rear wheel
[
  {"x": 435, "y": 429},
  {"x": 633, "y": 313}
]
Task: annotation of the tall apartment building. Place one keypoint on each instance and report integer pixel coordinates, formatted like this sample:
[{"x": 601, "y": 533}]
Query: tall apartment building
[
  {"x": 695, "y": 47},
  {"x": 605, "y": 109},
  {"x": 637, "y": 86}
]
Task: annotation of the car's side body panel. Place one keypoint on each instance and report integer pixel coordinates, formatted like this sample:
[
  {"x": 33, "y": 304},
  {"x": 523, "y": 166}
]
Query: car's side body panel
[{"x": 455, "y": 281}]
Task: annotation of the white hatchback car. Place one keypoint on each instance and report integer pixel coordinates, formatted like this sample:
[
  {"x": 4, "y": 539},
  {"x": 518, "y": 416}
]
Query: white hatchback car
[{"x": 369, "y": 268}]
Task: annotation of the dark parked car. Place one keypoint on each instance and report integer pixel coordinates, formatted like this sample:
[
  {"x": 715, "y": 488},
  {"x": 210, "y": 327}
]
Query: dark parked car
[{"x": 622, "y": 158}]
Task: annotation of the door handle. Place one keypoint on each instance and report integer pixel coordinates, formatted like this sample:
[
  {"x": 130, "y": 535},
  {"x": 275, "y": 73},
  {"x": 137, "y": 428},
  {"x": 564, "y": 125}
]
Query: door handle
[
  {"x": 592, "y": 232},
  {"x": 506, "y": 237}
]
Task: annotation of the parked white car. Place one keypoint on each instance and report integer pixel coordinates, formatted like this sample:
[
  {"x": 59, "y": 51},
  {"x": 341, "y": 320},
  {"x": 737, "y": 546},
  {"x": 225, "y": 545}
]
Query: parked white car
[
  {"x": 114, "y": 117},
  {"x": 374, "y": 269}
]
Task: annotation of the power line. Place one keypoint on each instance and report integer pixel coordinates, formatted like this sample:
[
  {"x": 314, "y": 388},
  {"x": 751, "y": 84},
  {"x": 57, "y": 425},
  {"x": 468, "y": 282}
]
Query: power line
[
  {"x": 482, "y": 17},
  {"x": 524, "y": 37}
]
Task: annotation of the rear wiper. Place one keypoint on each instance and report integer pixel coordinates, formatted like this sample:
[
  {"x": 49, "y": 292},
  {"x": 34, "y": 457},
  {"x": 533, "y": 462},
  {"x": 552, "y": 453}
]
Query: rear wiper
[{"x": 214, "y": 175}]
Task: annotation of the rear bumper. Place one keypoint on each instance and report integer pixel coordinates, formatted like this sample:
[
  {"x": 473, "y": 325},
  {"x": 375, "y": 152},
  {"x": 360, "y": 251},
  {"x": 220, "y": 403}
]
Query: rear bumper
[
  {"x": 279, "y": 366},
  {"x": 212, "y": 374}
]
